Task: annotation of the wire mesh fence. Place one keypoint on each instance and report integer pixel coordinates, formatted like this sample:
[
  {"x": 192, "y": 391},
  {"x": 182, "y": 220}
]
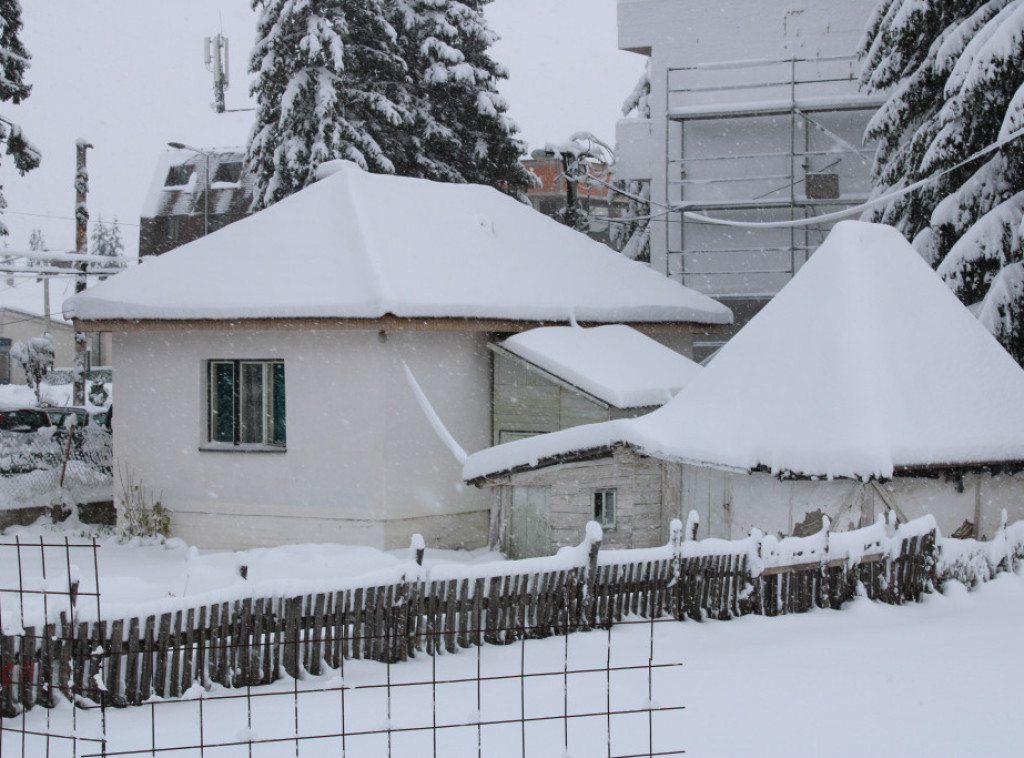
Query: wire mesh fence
[
  {"x": 55, "y": 466},
  {"x": 576, "y": 654},
  {"x": 611, "y": 692}
]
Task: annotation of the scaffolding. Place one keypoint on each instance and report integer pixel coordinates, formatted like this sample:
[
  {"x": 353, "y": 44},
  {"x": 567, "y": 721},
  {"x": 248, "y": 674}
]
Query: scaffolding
[{"x": 759, "y": 140}]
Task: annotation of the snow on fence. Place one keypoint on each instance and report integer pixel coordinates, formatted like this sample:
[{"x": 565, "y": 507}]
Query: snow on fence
[{"x": 244, "y": 641}]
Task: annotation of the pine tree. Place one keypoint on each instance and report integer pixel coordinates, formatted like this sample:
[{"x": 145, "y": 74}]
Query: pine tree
[
  {"x": 463, "y": 132},
  {"x": 469, "y": 103},
  {"x": 36, "y": 241},
  {"x": 631, "y": 233},
  {"x": 14, "y": 60},
  {"x": 106, "y": 240},
  {"x": 329, "y": 84},
  {"x": 956, "y": 73},
  {"x": 426, "y": 39}
]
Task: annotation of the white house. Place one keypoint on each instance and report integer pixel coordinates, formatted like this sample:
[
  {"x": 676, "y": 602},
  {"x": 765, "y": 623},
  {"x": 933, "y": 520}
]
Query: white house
[
  {"x": 755, "y": 116},
  {"x": 863, "y": 387},
  {"x": 24, "y": 300},
  {"x": 262, "y": 391}
]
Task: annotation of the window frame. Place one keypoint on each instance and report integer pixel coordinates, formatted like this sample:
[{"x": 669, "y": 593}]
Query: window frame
[
  {"x": 600, "y": 504},
  {"x": 258, "y": 418}
]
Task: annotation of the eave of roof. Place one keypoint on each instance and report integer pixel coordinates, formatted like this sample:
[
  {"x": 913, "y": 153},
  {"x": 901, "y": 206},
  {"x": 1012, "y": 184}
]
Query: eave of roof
[{"x": 386, "y": 322}]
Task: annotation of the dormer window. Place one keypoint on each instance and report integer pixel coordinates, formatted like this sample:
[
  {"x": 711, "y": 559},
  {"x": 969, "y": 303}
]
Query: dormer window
[
  {"x": 230, "y": 172},
  {"x": 178, "y": 176}
]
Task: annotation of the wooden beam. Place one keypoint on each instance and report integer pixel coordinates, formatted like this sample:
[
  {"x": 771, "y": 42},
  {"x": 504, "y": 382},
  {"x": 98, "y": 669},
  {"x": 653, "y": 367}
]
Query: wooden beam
[{"x": 386, "y": 323}]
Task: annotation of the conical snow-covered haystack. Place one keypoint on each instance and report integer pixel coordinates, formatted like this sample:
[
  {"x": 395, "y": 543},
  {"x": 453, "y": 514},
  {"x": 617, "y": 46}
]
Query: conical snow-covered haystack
[{"x": 863, "y": 386}]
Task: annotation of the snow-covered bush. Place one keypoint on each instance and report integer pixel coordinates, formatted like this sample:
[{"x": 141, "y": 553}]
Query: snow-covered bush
[{"x": 36, "y": 359}]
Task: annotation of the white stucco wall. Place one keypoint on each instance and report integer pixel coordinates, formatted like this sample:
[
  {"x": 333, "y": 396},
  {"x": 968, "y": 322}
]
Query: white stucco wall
[
  {"x": 362, "y": 463},
  {"x": 730, "y": 505}
]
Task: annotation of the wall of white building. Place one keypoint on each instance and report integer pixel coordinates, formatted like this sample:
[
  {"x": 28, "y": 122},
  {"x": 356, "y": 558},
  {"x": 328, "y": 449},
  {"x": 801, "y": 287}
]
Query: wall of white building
[{"x": 362, "y": 463}]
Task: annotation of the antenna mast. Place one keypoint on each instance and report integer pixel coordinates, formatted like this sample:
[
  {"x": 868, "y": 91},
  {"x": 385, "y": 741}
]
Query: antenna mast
[{"x": 216, "y": 58}]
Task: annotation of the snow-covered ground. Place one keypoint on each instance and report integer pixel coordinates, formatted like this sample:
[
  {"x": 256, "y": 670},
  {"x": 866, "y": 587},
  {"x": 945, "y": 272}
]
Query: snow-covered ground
[{"x": 938, "y": 678}]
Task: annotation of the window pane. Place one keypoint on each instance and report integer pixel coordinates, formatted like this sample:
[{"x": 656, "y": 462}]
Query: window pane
[
  {"x": 251, "y": 428},
  {"x": 222, "y": 402},
  {"x": 278, "y": 422}
]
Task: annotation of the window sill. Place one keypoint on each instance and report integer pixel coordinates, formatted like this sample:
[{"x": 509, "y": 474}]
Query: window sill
[{"x": 228, "y": 447}]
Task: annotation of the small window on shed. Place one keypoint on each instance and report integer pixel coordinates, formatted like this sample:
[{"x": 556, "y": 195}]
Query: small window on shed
[
  {"x": 178, "y": 176},
  {"x": 604, "y": 508},
  {"x": 228, "y": 172}
]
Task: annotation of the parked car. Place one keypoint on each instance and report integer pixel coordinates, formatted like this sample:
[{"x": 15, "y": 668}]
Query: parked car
[
  {"x": 26, "y": 440},
  {"x": 24, "y": 420},
  {"x": 61, "y": 416}
]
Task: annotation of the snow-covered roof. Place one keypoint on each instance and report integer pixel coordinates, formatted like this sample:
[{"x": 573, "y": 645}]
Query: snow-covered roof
[
  {"x": 614, "y": 363},
  {"x": 361, "y": 245},
  {"x": 863, "y": 364},
  {"x": 24, "y": 293}
]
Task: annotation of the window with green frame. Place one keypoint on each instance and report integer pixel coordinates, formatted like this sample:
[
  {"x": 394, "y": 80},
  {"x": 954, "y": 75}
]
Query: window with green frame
[{"x": 247, "y": 402}]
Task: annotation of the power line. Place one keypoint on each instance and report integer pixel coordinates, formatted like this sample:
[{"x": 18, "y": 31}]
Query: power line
[
  {"x": 68, "y": 218},
  {"x": 856, "y": 209}
]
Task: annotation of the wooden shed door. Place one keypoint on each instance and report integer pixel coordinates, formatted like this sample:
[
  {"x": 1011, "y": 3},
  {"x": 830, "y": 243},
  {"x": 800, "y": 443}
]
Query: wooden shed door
[
  {"x": 706, "y": 490},
  {"x": 529, "y": 522}
]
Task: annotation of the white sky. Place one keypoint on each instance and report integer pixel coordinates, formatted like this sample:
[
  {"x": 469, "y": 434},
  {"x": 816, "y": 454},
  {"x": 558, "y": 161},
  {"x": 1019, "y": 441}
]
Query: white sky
[{"x": 128, "y": 76}]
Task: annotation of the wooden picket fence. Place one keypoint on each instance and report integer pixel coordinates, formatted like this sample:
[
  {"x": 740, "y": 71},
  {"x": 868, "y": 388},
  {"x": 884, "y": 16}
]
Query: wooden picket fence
[{"x": 253, "y": 641}]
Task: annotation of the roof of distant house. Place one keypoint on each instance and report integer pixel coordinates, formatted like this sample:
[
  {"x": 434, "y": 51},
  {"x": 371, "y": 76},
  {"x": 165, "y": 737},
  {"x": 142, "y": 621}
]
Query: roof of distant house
[
  {"x": 864, "y": 364},
  {"x": 179, "y": 183},
  {"x": 24, "y": 293},
  {"x": 362, "y": 245},
  {"x": 614, "y": 363}
]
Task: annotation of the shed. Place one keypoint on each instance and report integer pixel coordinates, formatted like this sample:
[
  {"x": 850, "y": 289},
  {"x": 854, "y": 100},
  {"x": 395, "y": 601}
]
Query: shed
[
  {"x": 262, "y": 383},
  {"x": 863, "y": 387},
  {"x": 555, "y": 377}
]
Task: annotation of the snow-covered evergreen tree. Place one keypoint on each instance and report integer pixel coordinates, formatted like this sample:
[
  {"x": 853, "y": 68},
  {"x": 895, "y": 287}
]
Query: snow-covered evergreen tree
[
  {"x": 330, "y": 83},
  {"x": 631, "y": 233},
  {"x": 469, "y": 103},
  {"x": 106, "y": 240},
  {"x": 462, "y": 129},
  {"x": 956, "y": 73},
  {"x": 36, "y": 241},
  {"x": 14, "y": 60},
  {"x": 36, "y": 359}
]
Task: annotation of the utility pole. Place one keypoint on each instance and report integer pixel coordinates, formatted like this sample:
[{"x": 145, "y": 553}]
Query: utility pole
[
  {"x": 216, "y": 58},
  {"x": 81, "y": 247}
]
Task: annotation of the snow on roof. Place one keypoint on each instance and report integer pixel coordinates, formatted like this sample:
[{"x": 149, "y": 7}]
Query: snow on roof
[
  {"x": 25, "y": 294},
  {"x": 615, "y": 363},
  {"x": 361, "y": 245},
  {"x": 866, "y": 362}
]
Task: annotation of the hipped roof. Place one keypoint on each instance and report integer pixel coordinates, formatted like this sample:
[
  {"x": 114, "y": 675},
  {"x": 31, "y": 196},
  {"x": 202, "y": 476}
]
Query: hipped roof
[
  {"x": 363, "y": 246},
  {"x": 863, "y": 364}
]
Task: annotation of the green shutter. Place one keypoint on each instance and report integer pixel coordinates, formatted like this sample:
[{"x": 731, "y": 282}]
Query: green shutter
[
  {"x": 278, "y": 436},
  {"x": 222, "y": 403}
]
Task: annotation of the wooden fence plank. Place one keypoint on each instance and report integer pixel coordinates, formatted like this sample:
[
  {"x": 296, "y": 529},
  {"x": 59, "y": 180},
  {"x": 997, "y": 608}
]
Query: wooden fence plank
[
  {"x": 115, "y": 684},
  {"x": 316, "y": 658}
]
